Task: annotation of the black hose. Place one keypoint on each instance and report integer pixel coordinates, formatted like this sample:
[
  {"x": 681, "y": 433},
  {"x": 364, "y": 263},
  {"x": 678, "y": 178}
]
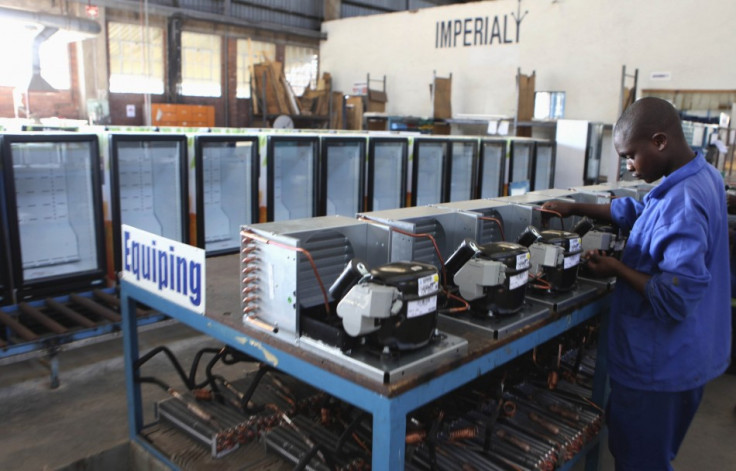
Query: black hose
[{"x": 142, "y": 360}]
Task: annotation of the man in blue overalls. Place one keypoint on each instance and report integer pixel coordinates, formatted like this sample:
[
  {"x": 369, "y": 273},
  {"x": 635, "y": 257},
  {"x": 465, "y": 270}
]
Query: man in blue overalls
[{"x": 670, "y": 322}]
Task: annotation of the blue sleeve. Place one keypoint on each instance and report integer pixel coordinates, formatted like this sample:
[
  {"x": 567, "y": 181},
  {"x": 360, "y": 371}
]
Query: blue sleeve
[
  {"x": 625, "y": 211},
  {"x": 682, "y": 275}
]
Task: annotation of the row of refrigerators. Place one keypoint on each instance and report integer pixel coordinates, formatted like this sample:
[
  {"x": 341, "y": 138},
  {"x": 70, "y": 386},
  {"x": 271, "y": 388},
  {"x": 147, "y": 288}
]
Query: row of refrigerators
[{"x": 65, "y": 195}]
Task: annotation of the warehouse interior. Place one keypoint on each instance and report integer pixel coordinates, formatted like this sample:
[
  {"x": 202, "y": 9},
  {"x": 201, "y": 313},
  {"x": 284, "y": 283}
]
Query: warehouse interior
[{"x": 272, "y": 234}]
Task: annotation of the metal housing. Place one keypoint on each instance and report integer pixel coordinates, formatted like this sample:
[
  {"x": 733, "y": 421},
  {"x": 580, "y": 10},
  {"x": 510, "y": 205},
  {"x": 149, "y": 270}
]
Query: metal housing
[{"x": 278, "y": 283}]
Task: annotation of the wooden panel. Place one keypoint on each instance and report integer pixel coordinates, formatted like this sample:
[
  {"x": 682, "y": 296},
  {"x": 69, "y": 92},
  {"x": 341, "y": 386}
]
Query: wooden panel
[
  {"x": 168, "y": 114},
  {"x": 442, "y": 98}
]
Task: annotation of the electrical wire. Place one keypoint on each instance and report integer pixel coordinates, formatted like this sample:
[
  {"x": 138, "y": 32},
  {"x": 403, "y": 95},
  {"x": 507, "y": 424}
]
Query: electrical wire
[{"x": 305, "y": 252}]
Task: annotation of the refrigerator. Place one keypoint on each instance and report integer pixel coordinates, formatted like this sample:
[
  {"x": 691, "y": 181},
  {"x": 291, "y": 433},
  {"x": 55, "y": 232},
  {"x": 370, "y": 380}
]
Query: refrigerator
[
  {"x": 430, "y": 162},
  {"x": 544, "y": 165},
  {"x": 342, "y": 175},
  {"x": 226, "y": 189},
  {"x": 387, "y": 172},
  {"x": 291, "y": 176},
  {"x": 53, "y": 213},
  {"x": 463, "y": 169},
  {"x": 520, "y": 165},
  {"x": 149, "y": 186},
  {"x": 492, "y": 168}
]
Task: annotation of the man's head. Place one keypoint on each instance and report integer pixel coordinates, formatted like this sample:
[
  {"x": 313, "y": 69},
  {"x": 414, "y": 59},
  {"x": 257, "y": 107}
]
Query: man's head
[{"x": 649, "y": 136}]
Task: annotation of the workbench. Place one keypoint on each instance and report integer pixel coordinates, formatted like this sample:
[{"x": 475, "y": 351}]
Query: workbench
[{"x": 388, "y": 403}]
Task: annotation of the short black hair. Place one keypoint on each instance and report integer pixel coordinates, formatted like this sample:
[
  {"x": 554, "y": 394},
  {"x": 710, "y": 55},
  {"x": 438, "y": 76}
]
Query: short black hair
[{"x": 647, "y": 116}]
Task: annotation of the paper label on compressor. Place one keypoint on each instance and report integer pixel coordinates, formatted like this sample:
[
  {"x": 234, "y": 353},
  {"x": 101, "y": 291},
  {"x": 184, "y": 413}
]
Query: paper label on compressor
[
  {"x": 428, "y": 285},
  {"x": 421, "y": 307}
]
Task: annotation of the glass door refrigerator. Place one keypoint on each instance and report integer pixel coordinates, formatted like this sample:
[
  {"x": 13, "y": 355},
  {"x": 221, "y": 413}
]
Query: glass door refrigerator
[
  {"x": 520, "y": 165},
  {"x": 387, "y": 166},
  {"x": 544, "y": 165},
  {"x": 463, "y": 169},
  {"x": 53, "y": 209},
  {"x": 430, "y": 161},
  {"x": 291, "y": 176},
  {"x": 226, "y": 184},
  {"x": 149, "y": 186},
  {"x": 342, "y": 175},
  {"x": 492, "y": 168}
]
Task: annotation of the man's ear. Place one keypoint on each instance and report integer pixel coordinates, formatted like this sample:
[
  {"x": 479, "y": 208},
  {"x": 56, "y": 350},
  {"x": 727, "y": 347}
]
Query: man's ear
[{"x": 659, "y": 139}]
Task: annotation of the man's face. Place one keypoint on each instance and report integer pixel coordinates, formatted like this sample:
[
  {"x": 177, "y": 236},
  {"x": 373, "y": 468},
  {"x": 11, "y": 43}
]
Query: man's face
[{"x": 643, "y": 156}]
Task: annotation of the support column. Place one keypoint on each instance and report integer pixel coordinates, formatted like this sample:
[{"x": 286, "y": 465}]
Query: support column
[{"x": 332, "y": 10}]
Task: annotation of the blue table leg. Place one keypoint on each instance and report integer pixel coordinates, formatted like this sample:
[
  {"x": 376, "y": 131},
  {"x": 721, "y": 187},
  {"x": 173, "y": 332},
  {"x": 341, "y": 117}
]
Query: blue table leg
[
  {"x": 600, "y": 388},
  {"x": 130, "y": 350},
  {"x": 389, "y": 436}
]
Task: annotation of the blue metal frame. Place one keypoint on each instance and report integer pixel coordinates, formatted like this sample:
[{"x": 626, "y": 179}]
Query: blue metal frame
[{"x": 389, "y": 413}]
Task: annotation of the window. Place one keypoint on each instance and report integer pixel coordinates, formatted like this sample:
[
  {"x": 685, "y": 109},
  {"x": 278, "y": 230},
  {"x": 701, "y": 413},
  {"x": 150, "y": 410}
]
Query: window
[
  {"x": 136, "y": 58},
  {"x": 301, "y": 67},
  {"x": 200, "y": 64},
  {"x": 249, "y": 53},
  {"x": 17, "y": 59}
]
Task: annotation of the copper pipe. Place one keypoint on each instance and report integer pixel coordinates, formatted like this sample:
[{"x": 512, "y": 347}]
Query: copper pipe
[
  {"x": 467, "y": 432},
  {"x": 544, "y": 423},
  {"x": 415, "y": 437},
  {"x": 301, "y": 250},
  {"x": 516, "y": 441},
  {"x": 263, "y": 325},
  {"x": 498, "y": 222}
]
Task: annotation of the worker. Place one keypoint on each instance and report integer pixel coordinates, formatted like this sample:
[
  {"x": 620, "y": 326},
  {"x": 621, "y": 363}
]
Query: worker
[{"x": 670, "y": 322}]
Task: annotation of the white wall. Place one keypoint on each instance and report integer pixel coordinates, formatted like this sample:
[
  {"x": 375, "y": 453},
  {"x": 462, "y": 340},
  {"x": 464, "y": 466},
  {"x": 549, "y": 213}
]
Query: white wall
[{"x": 577, "y": 46}]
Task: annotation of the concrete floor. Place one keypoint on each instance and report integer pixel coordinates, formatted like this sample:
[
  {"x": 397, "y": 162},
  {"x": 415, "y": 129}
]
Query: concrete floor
[{"x": 44, "y": 429}]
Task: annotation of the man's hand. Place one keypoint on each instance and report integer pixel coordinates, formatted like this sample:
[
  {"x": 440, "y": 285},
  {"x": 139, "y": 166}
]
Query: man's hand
[
  {"x": 565, "y": 209},
  {"x": 602, "y": 265}
]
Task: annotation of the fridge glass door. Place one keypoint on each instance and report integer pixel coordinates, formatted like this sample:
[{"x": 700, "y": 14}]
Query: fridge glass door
[
  {"x": 388, "y": 175},
  {"x": 293, "y": 179},
  {"x": 151, "y": 196},
  {"x": 344, "y": 189},
  {"x": 55, "y": 208},
  {"x": 493, "y": 161},
  {"x": 522, "y": 154},
  {"x": 463, "y": 156},
  {"x": 544, "y": 167},
  {"x": 228, "y": 194},
  {"x": 430, "y": 159}
]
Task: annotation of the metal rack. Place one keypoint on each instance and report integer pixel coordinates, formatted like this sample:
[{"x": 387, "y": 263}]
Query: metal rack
[{"x": 388, "y": 403}]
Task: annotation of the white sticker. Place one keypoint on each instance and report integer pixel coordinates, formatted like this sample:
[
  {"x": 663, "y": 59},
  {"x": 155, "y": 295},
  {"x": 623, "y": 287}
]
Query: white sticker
[
  {"x": 575, "y": 244},
  {"x": 428, "y": 285},
  {"x": 619, "y": 244},
  {"x": 421, "y": 307},
  {"x": 572, "y": 260},
  {"x": 519, "y": 280},
  {"x": 522, "y": 261}
]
